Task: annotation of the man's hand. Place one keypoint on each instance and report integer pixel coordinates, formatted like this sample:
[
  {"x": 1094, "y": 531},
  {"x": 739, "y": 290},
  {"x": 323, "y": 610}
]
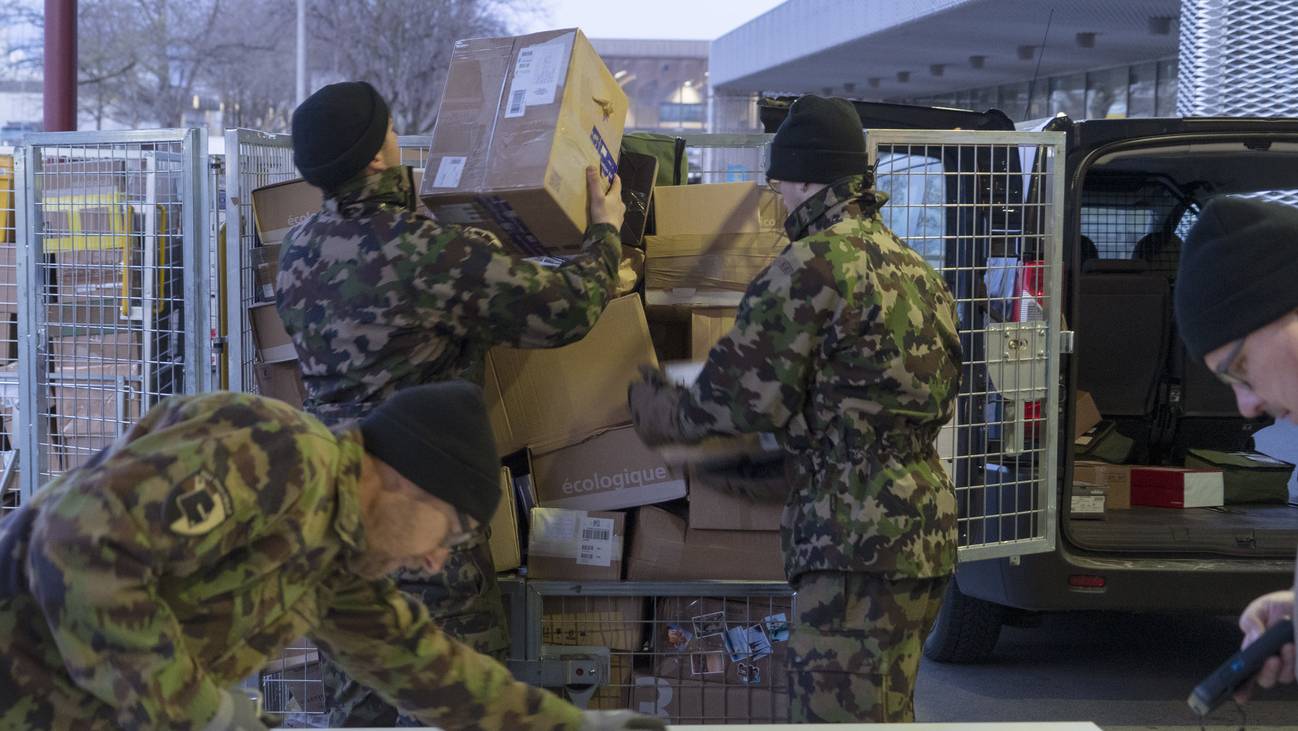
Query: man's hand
[
  {"x": 620, "y": 721},
  {"x": 653, "y": 408},
  {"x": 605, "y": 206},
  {"x": 237, "y": 712},
  {"x": 1261, "y": 614}
]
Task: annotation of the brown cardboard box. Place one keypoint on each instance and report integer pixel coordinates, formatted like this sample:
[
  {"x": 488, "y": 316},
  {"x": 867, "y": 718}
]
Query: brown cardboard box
[
  {"x": 281, "y": 206},
  {"x": 521, "y": 119},
  {"x": 714, "y": 509},
  {"x": 506, "y": 551},
  {"x": 664, "y": 549},
  {"x": 273, "y": 342},
  {"x": 618, "y": 623},
  {"x": 575, "y": 545},
  {"x": 716, "y": 208},
  {"x": 1087, "y": 414},
  {"x": 1114, "y": 478},
  {"x": 1087, "y": 501},
  {"x": 102, "y": 348},
  {"x": 563, "y": 395},
  {"x": 707, "y": 327},
  {"x": 281, "y": 380},
  {"x": 695, "y": 702},
  {"x": 90, "y": 274},
  {"x": 615, "y": 694},
  {"x": 695, "y": 270},
  {"x": 93, "y": 405},
  {"x": 608, "y": 471}
]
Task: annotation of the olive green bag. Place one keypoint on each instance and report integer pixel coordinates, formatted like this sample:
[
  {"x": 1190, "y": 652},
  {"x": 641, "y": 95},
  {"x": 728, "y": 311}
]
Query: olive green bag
[
  {"x": 673, "y": 167},
  {"x": 1104, "y": 443},
  {"x": 1248, "y": 478}
]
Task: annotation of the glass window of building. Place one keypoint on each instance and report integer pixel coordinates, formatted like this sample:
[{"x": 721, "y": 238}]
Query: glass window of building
[
  {"x": 1140, "y": 90},
  {"x": 1166, "y": 97},
  {"x": 1068, "y": 95},
  {"x": 1039, "y": 99},
  {"x": 1106, "y": 93},
  {"x": 1014, "y": 100},
  {"x": 985, "y": 98}
]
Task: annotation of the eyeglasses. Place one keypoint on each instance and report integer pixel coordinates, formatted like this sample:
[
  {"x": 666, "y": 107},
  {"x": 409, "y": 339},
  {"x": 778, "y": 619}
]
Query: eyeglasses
[
  {"x": 465, "y": 535},
  {"x": 773, "y": 185},
  {"x": 1223, "y": 369}
]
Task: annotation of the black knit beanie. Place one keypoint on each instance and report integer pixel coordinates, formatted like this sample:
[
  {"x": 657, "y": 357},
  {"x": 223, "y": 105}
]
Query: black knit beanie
[
  {"x": 820, "y": 141},
  {"x": 1238, "y": 272},
  {"x": 438, "y": 437},
  {"x": 337, "y": 131}
]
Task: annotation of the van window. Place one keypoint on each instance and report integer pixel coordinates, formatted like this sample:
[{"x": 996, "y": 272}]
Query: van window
[{"x": 916, "y": 189}]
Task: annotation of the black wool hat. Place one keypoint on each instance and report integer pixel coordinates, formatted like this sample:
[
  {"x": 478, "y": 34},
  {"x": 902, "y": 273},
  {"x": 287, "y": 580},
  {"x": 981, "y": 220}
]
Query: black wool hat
[
  {"x": 1238, "y": 272},
  {"x": 820, "y": 141},
  {"x": 438, "y": 437},
  {"x": 337, "y": 131}
]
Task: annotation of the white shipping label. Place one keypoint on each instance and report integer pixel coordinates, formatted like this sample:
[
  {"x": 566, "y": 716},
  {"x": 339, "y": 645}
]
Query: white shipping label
[
  {"x": 449, "y": 172},
  {"x": 537, "y": 74},
  {"x": 596, "y": 542},
  {"x": 1088, "y": 504}
]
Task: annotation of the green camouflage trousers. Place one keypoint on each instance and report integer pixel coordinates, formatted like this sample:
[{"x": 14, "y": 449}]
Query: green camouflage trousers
[
  {"x": 854, "y": 651},
  {"x": 466, "y": 602}
]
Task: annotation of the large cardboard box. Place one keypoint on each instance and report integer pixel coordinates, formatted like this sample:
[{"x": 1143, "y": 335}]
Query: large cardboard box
[
  {"x": 696, "y": 702},
  {"x": 663, "y": 548},
  {"x": 282, "y": 380},
  {"x": 707, "y": 327},
  {"x": 618, "y": 623},
  {"x": 717, "y": 208},
  {"x": 1087, "y": 414},
  {"x": 93, "y": 405},
  {"x": 686, "y": 269},
  {"x": 715, "y": 509},
  {"x": 506, "y": 550},
  {"x": 1114, "y": 478},
  {"x": 521, "y": 119},
  {"x": 608, "y": 471},
  {"x": 1177, "y": 487},
  {"x": 563, "y": 395},
  {"x": 281, "y": 206},
  {"x": 575, "y": 545},
  {"x": 92, "y": 348},
  {"x": 273, "y": 342}
]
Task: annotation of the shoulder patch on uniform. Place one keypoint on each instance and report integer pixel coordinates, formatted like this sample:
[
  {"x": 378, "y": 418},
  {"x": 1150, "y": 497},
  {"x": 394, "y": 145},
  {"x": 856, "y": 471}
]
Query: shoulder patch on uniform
[
  {"x": 785, "y": 266},
  {"x": 197, "y": 506}
]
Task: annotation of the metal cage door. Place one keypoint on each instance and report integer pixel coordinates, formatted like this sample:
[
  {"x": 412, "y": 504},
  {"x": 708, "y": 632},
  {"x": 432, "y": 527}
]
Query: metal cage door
[{"x": 985, "y": 209}]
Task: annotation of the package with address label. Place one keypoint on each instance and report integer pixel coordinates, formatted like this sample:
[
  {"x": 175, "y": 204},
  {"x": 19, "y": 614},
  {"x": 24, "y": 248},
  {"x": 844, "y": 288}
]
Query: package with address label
[
  {"x": 520, "y": 121},
  {"x": 575, "y": 545}
]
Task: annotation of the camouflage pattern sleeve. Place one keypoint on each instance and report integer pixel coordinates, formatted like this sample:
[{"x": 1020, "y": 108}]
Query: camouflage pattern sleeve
[
  {"x": 521, "y": 302},
  {"x": 756, "y": 376},
  {"x": 386, "y": 640},
  {"x": 98, "y": 591}
]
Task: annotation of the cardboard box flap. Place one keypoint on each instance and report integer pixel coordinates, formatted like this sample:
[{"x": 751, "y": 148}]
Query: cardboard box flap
[{"x": 717, "y": 208}]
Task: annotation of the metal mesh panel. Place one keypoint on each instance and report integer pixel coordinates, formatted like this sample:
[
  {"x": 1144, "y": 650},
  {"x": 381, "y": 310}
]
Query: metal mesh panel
[
  {"x": 1236, "y": 59},
  {"x": 9, "y": 401},
  {"x": 115, "y": 303},
  {"x": 292, "y": 687},
  {"x": 216, "y": 269},
  {"x": 1144, "y": 219},
  {"x": 252, "y": 159},
  {"x": 985, "y": 210},
  {"x": 728, "y": 158},
  {"x": 689, "y": 652}
]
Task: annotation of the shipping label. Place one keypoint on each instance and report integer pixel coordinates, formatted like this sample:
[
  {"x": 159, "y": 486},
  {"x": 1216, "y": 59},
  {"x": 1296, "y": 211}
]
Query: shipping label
[
  {"x": 537, "y": 74},
  {"x": 596, "y": 542},
  {"x": 449, "y": 172}
]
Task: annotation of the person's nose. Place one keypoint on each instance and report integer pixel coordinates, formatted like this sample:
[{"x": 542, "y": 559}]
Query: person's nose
[{"x": 1250, "y": 404}]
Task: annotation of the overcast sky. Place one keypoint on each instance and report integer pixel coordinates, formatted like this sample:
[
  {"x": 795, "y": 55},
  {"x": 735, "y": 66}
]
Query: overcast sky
[{"x": 680, "y": 19}]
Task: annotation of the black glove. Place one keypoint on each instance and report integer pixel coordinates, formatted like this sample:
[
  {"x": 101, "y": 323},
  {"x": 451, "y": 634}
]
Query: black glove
[{"x": 654, "y": 405}]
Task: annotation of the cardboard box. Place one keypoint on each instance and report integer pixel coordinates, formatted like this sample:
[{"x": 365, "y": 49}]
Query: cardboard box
[
  {"x": 706, "y": 328},
  {"x": 608, "y": 471},
  {"x": 93, "y": 405},
  {"x": 618, "y": 623},
  {"x": 506, "y": 550},
  {"x": 1087, "y": 501},
  {"x": 281, "y": 380},
  {"x": 663, "y": 548},
  {"x": 521, "y": 119},
  {"x": 273, "y": 342},
  {"x": 1087, "y": 414},
  {"x": 695, "y": 702},
  {"x": 575, "y": 545},
  {"x": 615, "y": 694},
  {"x": 265, "y": 270},
  {"x": 1177, "y": 487},
  {"x": 714, "y": 509},
  {"x": 97, "y": 348},
  {"x": 90, "y": 274},
  {"x": 717, "y": 208},
  {"x": 563, "y": 395},
  {"x": 281, "y": 206},
  {"x": 1114, "y": 478},
  {"x": 709, "y": 263}
]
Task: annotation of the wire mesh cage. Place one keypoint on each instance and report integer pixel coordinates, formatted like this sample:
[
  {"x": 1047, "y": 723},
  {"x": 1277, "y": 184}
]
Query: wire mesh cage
[
  {"x": 687, "y": 652},
  {"x": 10, "y": 495},
  {"x": 115, "y": 282},
  {"x": 985, "y": 210}
]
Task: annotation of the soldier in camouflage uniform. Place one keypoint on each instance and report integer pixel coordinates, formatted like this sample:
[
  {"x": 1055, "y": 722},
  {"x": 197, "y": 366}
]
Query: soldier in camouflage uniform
[
  {"x": 136, "y": 591},
  {"x": 378, "y": 297},
  {"x": 846, "y": 348}
]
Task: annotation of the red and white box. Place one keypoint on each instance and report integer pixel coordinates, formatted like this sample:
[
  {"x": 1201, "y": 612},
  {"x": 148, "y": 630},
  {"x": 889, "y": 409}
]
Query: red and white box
[{"x": 1177, "y": 487}]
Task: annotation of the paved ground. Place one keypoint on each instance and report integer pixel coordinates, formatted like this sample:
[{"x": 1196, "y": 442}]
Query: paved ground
[{"x": 1117, "y": 670}]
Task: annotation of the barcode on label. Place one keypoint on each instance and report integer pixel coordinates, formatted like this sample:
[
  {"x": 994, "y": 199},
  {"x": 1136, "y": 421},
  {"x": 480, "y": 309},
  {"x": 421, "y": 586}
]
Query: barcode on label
[
  {"x": 595, "y": 534},
  {"x": 516, "y": 103},
  {"x": 588, "y": 555}
]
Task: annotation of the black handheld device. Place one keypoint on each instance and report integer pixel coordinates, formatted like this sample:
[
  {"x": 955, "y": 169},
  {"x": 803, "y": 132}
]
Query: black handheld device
[{"x": 1238, "y": 668}]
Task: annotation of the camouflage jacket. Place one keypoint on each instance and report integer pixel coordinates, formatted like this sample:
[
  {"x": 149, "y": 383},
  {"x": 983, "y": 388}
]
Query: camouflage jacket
[
  {"x": 191, "y": 552},
  {"x": 378, "y": 297},
  {"x": 845, "y": 347}
]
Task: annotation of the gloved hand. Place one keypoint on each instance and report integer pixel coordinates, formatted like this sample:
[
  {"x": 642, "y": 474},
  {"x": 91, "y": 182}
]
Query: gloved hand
[
  {"x": 620, "y": 721},
  {"x": 654, "y": 404},
  {"x": 237, "y": 712},
  {"x": 760, "y": 479}
]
